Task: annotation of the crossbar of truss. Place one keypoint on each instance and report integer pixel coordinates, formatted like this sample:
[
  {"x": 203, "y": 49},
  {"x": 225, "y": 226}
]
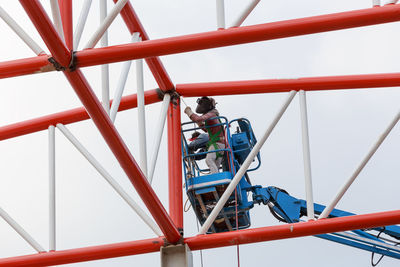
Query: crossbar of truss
[
  {"x": 199, "y": 242},
  {"x": 241, "y": 35},
  {"x": 68, "y": 117},
  {"x": 214, "y": 39}
]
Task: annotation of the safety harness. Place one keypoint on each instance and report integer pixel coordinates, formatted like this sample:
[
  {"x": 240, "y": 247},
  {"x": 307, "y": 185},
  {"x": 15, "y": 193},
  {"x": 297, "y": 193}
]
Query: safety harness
[{"x": 214, "y": 138}]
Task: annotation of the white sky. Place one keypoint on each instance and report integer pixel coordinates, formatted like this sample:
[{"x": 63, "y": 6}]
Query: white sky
[{"x": 343, "y": 126}]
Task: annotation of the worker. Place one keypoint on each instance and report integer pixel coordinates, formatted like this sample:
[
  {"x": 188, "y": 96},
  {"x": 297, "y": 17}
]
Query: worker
[
  {"x": 198, "y": 141},
  {"x": 206, "y": 107}
]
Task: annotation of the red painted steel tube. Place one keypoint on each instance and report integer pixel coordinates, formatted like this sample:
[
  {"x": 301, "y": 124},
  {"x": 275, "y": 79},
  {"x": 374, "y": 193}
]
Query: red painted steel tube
[
  {"x": 294, "y": 230},
  {"x": 121, "y": 152},
  {"x": 86, "y": 254},
  {"x": 107, "y": 129},
  {"x": 68, "y": 116},
  {"x": 209, "y": 241},
  {"x": 286, "y": 85},
  {"x": 45, "y": 28},
  {"x": 155, "y": 65},
  {"x": 25, "y": 66},
  {"x": 66, "y": 17},
  {"x": 241, "y": 35},
  {"x": 174, "y": 164}
]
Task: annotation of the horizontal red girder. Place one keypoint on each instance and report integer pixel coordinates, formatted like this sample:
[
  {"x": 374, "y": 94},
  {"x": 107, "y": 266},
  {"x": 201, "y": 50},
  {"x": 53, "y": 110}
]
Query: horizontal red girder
[
  {"x": 155, "y": 65},
  {"x": 25, "y": 66},
  {"x": 286, "y": 85},
  {"x": 68, "y": 116},
  {"x": 241, "y": 35},
  {"x": 209, "y": 241},
  {"x": 220, "y": 38}
]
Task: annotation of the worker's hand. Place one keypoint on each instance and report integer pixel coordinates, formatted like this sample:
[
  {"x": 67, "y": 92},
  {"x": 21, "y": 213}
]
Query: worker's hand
[{"x": 188, "y": 111}]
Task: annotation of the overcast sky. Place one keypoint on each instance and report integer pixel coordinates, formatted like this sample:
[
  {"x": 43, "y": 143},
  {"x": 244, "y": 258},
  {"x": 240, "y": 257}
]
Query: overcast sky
[{"x": 343, "y": 125}]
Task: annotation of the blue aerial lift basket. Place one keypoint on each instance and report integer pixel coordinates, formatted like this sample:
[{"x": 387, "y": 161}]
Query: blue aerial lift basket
[{"x": 205, "y": 189}]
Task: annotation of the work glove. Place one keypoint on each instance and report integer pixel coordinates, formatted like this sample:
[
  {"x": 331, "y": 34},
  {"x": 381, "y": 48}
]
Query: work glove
[{"x": 188, "y": 111}]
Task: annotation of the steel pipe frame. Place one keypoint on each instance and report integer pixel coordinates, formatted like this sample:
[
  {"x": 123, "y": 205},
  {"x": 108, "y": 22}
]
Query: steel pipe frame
[
  {"x": 155, "y": 65},
  {"x": 286, "y": 85},
  {"x": 68, "y": 117},
  {"x": 199, "y": 242},
  {"x": 174, "y": 163},
  {"x": 241, "y": 35},
  {"x": 82, "y": 88},
  {"x": 233, "y": 36}
]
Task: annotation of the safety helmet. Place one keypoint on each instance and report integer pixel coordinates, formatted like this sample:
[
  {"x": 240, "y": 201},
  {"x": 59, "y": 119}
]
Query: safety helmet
[{"x": 205, "y": 104}]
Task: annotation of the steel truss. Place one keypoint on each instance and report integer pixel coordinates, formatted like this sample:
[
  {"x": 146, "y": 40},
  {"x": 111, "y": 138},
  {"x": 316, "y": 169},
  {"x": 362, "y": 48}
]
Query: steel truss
[{"x": 64, "y": 59}]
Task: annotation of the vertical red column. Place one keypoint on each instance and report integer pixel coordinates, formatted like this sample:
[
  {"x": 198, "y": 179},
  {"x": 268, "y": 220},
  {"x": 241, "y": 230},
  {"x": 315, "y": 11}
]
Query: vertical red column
[
  {"x": 174, "y": 163},
  {"x": 66, "y": 17}
]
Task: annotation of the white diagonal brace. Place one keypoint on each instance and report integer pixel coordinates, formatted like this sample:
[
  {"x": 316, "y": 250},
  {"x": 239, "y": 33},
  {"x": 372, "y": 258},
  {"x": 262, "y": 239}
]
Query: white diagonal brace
[
  {"x": 158, "y": 136},
  {"x": 81, "y": 23},
  {"x": 245, "y": 13},
  {"x": 220, "y": 14},
  {"x": 20, "y": 32},
  {"x": 55, "y": 11},
  {"x": 109, "y": 179},
  {"x": 360, "y": 167},
  {"x": 242, "y": 170},
  {"x": 106, "y": 23},
  {"x": 21, "y": 231},
  {"x": 121, "y": 82}
]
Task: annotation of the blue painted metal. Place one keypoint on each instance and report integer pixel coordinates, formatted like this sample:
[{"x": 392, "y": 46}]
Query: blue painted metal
[{"x": 204, "y": 190}]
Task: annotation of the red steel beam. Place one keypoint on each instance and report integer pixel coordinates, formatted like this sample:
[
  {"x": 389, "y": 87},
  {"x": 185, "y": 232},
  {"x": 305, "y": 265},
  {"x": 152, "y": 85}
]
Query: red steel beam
[
  {"x": 25, "y": 66},
  {"x": 322, "y": 226},
  {"x": 57, "y": 47},
  {"x": 232, "y": 36},
  {"x": 85, "y": 254},
  {"x": 240, "y": 35},
  {"x": 155, "y": 65},
  {"x": 286, "y": 85},
  {"x": 121, "y": 152},
  {"x": 66, "y": 17},
  {"x": 247, "y": 236},
  {"x": 106, "y": 127},
  {"x": 68, "y": 116},
  {"x": 175, "y": 164}
]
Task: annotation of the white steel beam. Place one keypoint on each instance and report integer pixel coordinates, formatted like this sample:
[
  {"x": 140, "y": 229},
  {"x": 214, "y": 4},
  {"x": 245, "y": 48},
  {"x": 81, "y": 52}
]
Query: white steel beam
[
  {"x": 141, "y": 116},
  {"x": 306, "y": 155},
  {"x": 220, "y": 14},
  {"x": 21, "y": 33},
  {"x": 158, "y": 136},
  {"x": 109, "y": 179},
  {"x": 21, "y": 231},
  {"x": 52, "y": 189},
  {"x": 121, "y": 82},
  {"x": 105, "y": 77},
  {"x": 106, "y": 23},
  {"x": 245, "y": 13},
  {"x": 360, "y": 167},
  {"x": 81, "y": 22},
  {"x": 242, "y": 170},
  {"x": 55, "y": 11}
]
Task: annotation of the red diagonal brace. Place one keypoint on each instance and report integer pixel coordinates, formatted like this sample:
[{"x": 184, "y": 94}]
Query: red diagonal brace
[
  {"x": 103, "y": 123},
  {"x": 155, "y": 65}
]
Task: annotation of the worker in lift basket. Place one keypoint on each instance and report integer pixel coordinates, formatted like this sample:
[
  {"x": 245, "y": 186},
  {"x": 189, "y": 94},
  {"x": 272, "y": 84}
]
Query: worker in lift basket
[{"x": 206, "y": 107}]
